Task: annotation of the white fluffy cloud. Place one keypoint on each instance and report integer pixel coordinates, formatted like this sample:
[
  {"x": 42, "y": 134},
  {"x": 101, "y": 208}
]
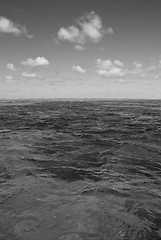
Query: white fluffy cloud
[
  {"x": 104, "y": 64},
  {"x": 11, "y": 66},
  {"x": 89, "y": 27},
  {"x": 39, "y": 61},
  {"x": 78, "y": 69},
  {"x": 7, "y": 26},
  {"x": 118, "y": 63},
  {"x": 79, "y": 47},
  {"x": 108, "y": 68},
  {"x": 72, "y": 34},
  {"x": 113, "y": 72},
  {"x": 30, "y": 75},
  {"x": 137, "y": 64},
  {"x": 9, "y": 78},
  {"x": 116, "y": 70}
]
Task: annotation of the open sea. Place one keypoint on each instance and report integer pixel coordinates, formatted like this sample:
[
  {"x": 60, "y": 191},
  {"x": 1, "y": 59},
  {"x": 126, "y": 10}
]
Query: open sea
[{"x": 80, "y": 170}]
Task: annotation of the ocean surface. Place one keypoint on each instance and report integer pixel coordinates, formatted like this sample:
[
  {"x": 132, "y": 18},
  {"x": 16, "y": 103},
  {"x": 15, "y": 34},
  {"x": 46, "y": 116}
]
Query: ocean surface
[{"x": 80, "y": 170}]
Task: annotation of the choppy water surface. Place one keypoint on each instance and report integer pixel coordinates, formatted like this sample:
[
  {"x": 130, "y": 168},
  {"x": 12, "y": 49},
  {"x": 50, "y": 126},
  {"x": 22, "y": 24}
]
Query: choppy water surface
[{"x": 73, "y": 170}]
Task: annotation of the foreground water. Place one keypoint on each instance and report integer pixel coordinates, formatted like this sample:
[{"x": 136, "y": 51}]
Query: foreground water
[{"x": 72, "y": 170}]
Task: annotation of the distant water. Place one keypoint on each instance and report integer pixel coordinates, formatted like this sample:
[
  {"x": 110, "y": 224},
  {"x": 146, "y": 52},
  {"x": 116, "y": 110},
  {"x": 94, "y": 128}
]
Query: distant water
[{"x": 73, "y": 170}]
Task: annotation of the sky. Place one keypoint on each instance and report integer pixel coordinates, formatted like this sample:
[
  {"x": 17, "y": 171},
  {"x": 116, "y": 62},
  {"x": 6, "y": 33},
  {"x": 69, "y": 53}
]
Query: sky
[{"x": 80, "y": 49}]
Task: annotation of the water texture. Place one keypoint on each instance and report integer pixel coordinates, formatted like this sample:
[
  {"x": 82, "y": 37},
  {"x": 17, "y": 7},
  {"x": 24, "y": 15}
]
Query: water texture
[{"x": 73, "y": 170}]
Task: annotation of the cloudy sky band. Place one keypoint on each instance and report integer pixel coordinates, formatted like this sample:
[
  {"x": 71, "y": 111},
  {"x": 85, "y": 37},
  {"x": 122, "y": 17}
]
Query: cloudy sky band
[{"x": 92, "y": 42}]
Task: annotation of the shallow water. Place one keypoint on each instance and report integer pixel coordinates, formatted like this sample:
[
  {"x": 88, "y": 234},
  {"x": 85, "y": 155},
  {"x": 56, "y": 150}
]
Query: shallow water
[{"x": 73, "y": 170}]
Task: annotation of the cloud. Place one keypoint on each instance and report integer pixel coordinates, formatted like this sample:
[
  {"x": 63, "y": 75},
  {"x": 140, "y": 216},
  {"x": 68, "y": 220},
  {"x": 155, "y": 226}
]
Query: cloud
[
  {"x": 152, "y": 68},
  {"x": 137, "y": 64},
  {"x": 11, "y": 66},
  {"x": 91, "y": 25},
  {"x": 9, "y": 27},
  {"x": 30, "y": 75},
  {"x": 108, "y": 68},
  {"x": 110, "y": 30},
  {"x": 79, "y": 47},
  {"x": 160, "y": 63},
  {"x": 116, "y": 70},
  {"x": 39, "y": 61},
  {"x": 8, "y": 77},
  {"x": 89, "y": 28},
  {"x": 72, "y": 34},
  {"x": 78, "y": 69},
  {"x": 118, "y": 63},
  {"x": 104, "y": 64},
  {"x": 113, "y": 72}
]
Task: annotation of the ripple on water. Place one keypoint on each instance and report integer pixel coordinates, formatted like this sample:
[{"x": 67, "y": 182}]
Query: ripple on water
[{"x": 80, "y": 170}]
